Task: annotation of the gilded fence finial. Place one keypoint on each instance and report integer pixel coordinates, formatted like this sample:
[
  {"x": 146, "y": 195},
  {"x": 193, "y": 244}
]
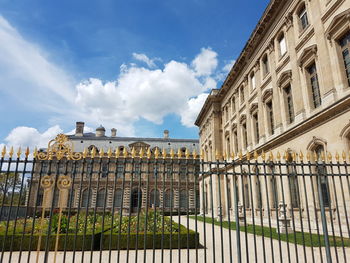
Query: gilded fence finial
[
  {"x": 329, "y": 157},
  {"x": 35, "y": 153},
  {"x": 344, "y": 156},
  {"x": 19, "y": 152},
  {"x": 256, "y": 155},
  {"x": 156, "y": 153},
  {"x": 27, "y": 152},
  {"x": 233, "y": 155},
  {"x": 179, "y": 154},
  {"x": 301, "y": 156},
  {"x": 117, "y": 153},
  {"x": 93, "y": 152},
  {"x": 172, "y": 153},
  {"x": 308, "y": 156},
  {"x": 187, "y": 153},
  {"x": 109, "y": 153},
  {"x": 3, "y": 152},
  {"x": 240, "y": 155},
  {"x": 194, "y": 154},
  {"x": 85, "y": 153},
  {"x": 278, "y": 156},
  {"x": 217, "y": 155},
  {"x": 149, "y": 153},
  {"x": 164, "y": 153},
  {"x": 271, "y": 156},
  {"x": 323, "y": 157},
  {"x": 248, "y": 156},
  {"x": 142, "y": 153},
  {"x": 133, "y": 152},
  {"x": 263, "y": 155},
  {"x": 337, "y": 157},
  {"x": 285, "y": 156},
  {"x": 11, "y": 152},
  {"x": 102, "y": 153},
  {"x": 125, "y": 152},
  {"x": 225, "y": 156},
  {"x": 294, "y": 156},
  {"x": 202, "y": 154},
  {"x": 315, "y": 156}
]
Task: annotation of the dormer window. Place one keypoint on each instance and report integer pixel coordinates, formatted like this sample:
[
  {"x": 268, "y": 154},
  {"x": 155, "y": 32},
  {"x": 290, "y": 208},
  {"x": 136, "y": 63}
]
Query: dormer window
[{"x": 303, "y": 19}]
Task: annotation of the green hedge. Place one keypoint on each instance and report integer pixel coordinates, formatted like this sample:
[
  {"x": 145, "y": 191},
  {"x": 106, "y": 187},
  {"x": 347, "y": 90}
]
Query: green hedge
[{"x": 192, "y": 239}]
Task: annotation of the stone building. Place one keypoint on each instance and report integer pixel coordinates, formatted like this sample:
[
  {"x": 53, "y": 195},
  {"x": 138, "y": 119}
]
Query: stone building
[
  {"x": 289, "y": 90},
  {"x": 170, "y": 181}
]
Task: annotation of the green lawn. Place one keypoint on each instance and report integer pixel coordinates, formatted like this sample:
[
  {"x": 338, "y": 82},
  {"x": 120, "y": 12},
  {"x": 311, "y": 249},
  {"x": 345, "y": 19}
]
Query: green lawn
[{"x": 309, "y": 240}]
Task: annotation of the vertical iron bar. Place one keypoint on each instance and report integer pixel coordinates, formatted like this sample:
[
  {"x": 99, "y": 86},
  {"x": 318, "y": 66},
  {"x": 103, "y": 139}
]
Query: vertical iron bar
[
  {"x": 179, "y": 209},
  {"x": 113, "y": 208},
  {"x": 187, "y": 173},
  {"x": 171, "y": 207},
  {"x": 195, "y": 163},
  {"x": 121, "y": 206},
  {"x": 163, "y": 209},
  {"x": 220, "y": 211},
  {"x": 257, "y": 172},
  {"x": 228, "y": 201},
  {"x": 204, "y": 204},
  {"x": 241, "y": 175},
  {"x": 212, "y": 210},
  {"x": 238, "y": 229},
  {"x": 130, "y": 209},
  {"x": 139, "y": 197},
  {"x": 155, "y": 173},
  {"x": 343, "y": 197},
  {"x": 146, "y": 219}
]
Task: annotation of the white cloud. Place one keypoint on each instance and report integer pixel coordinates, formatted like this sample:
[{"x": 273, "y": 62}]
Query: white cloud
[
  {"x": 145, "y": 59},
  {"x": 206, "y": 62},
  {"x": 190, "y": 113},
  {"x": 29, "y": 72},
  {"x": 225, "y": 70}
]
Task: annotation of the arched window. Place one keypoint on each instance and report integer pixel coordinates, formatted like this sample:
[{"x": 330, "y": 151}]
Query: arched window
[
  {"x": 84, "y": 198},
  {"x": 100, "y": 198},
  {"x": 118, "y": 198},
  {"x": 322, "y": 173},
  {"x": 169, "y": 199},
  {"x": 183, "y": 199},
  {"x": 282, "y": 45},
  {"x": 344, "y": 43},
  {"x": 154, "y": 199}
]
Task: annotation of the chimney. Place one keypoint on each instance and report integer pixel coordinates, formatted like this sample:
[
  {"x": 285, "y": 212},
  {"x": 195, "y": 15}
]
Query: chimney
[
  {"x": 166, "y": 134},
  {"x": 79, "y": 128},
  {"x": 114, "y": 132},
  {"x": 100, "y": 131}
]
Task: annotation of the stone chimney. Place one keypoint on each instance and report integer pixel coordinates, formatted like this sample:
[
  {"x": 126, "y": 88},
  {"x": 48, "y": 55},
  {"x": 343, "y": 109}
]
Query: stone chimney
[
  {"x": 79, "y": 128},
  {"x": 113, "y": 132},
  {"x": 100, "y": 131},
  {"x": 166, "y": 134}
]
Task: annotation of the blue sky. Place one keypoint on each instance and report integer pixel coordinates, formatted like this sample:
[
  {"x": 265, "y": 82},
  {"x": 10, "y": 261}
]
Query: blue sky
[{"x": 138, "y": 66}]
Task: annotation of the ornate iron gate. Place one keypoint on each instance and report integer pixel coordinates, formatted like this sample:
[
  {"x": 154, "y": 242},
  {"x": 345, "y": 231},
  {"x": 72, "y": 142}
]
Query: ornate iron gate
[{"x": 63, "y": 206}]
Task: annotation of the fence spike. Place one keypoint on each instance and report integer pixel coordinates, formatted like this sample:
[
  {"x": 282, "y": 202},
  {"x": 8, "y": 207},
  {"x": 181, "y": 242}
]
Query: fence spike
[
  {"x": 271, "y": 157},
  {"x": 35, "y": 153},
  {"x": 240, "y": 155},
  {"x": 256, "y": 155},
  {"x": 102, "y": 153},
  {"x": 337, "y": 157},
  {"x": 109, "y": 153},
  {"x": 194, "y": 154},
  {"x": 315, "y": 156},
  {"x": 187, "y": 153},
  {"x": 125, "y": 152},
  {"x": 278, "y": 156},
  {"x": 179, "y": 153},
  {"x": 19, "y": 152},
  {"x": 156, "y": 153},
  {"x": 248, "y": 156},
  {"x": 308, "y": 156},
  {"x": 93, "y": 152},
  {"x": 142, "y": 153},
  {"x": 164, "y": 153},
  {"x": 225, "y": 156},
  {"x": 201, "y": 155},
  {"x": 233, "y": 156},
  {"x": 11, "y": 152},
  {"x": 85, "y": 153},
  {"x": 27, "y": 152},
  {"x": 217, "y": 155},
  {"x": 3, "y": 152},
  {"x": 301, "y": 156},
  {"x": 263, "y": 155},
  {"x": 344, "y": 156},
  {"x": 285, "y": 156},
  {"x": 323, "y": 156},
  {"x": 149, "y": 153},
  {"x": 133, "y": 152},
  {"x": 330, "y": 157},
  {"x": 294, "y": 156},
  {"x": 172, "y": 153},
  {"x": 117, "y": 153}
]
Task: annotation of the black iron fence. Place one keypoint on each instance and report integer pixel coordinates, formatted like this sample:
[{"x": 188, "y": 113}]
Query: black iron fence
[{"x": 144, "y": 207}]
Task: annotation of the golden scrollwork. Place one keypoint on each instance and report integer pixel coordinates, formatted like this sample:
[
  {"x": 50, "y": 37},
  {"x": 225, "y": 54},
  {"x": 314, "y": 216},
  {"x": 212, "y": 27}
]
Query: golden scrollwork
[
  {"x": 47, "y": 182},
  {"x": 64, "y": 182},
  {"x": 60, "y": 147}
]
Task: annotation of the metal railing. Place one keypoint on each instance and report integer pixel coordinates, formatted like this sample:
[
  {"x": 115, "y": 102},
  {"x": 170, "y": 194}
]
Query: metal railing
[{"x": 140, "y": 206}]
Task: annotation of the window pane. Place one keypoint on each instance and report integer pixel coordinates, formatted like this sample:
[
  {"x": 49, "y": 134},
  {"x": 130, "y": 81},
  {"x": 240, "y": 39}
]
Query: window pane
[{"x": 283, "y": 45}]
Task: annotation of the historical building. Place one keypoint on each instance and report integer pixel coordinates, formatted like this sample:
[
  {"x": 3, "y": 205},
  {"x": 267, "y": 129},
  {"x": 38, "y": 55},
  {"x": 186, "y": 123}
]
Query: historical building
[
  {"x": 289, "y": 91},
  {"x": 123, "y": 179}
]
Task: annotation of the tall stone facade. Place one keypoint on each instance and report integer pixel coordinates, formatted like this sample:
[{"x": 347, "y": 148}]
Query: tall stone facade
[{"x": 289, "y": 91}]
